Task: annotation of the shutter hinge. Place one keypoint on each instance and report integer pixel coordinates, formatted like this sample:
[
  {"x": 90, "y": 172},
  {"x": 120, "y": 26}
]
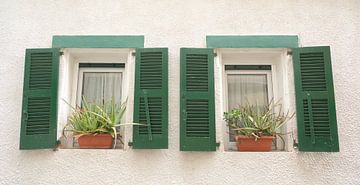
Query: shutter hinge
[
  {"x": 218, "y": 144},
  {"x": 295, "y": 144},
  {"x": 57, "y": 145},
  {"x": 61, "y": 53},
  {"x": 289, "y": 52},
  {"x": 133, "y": 53},
  {"x": 130, "y": 143},
  {"x": 215, "y": 54}
]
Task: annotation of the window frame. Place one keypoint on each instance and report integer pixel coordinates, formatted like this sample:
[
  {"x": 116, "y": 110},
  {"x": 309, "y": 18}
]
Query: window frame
[
  {"x": 83, "y": 70},
  {"x": 268, "y": 73},
  {"x": 69, "y": 71},
  {"x": 282, "y": 82}
]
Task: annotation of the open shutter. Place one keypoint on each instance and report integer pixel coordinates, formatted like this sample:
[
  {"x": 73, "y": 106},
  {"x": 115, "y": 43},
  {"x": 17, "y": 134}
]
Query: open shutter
[
  {"x": 39, "y": 109},
  {"x": 197, "y": 108},
  {"x": 151, "y": 99},
  {"x": 315, "y": 102}
]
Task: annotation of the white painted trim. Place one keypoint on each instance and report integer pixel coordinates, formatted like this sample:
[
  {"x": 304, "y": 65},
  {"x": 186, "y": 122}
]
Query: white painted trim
[{"x": 129, "y": 84}]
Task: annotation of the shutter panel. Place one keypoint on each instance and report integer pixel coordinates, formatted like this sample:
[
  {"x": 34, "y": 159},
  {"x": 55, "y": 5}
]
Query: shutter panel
[
  {"x": 315, "y": 102},
  {"x": 39, "y": 109},
  {"x": 151, "y": 99},
  {"x": 197, "y": 116}
]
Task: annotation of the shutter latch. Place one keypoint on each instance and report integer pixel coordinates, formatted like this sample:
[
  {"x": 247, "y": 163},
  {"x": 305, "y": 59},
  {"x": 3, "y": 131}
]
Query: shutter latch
[
  {"x": 311, "y": 119},
  {"x": 146, "y": 101}
]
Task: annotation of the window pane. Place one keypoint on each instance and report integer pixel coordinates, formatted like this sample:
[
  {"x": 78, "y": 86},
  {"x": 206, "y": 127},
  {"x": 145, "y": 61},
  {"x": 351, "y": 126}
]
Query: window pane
[
  {"x": 101, "y": 87},
  {"x": 246, "y": 89}
]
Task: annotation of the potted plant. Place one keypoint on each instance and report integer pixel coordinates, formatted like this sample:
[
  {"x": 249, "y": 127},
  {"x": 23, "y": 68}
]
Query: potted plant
[
  {"x": 95, "y": 126},
  {"x": 255, "y": 127}
]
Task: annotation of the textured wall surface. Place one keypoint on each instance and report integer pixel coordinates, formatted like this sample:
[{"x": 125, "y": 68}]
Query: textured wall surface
[{"x": 175, "y": 24}]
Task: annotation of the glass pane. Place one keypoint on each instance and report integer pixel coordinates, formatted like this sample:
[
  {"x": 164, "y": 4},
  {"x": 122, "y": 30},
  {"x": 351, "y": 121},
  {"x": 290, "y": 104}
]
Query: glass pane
[
  {"x": 246, "y": 89},
  {"x": 101, "y": 87}
]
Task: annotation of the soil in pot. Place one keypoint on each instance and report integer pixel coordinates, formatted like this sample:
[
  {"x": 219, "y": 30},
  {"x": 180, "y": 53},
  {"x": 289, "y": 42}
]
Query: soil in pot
[
  {"x": 96, "y": 141},
  {"x": 248, "y": 143}
]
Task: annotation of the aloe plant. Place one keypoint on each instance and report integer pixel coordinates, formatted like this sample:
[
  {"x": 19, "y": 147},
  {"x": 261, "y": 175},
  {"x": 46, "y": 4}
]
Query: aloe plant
[
  {"x": 250, "y": 120},
  {"x": 96, "y": 119}
]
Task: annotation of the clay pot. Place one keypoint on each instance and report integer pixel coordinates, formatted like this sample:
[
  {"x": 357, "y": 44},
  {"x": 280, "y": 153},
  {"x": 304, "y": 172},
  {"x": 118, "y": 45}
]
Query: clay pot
[
  {"x": 96, "y": 141},
  {"x": 248, "y": 143}
]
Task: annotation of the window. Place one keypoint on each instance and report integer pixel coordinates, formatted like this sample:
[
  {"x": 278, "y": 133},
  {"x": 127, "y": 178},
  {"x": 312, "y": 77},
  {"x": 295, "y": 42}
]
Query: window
[
  {"x": 51, "y": 84},
  {"x": 98, "y": 75},
  {"x": 246, "y": 86},
  {"x": 255, "y": 77},
  {"x": 100, "y": 85},
  {"x": 48, "y": 85}
]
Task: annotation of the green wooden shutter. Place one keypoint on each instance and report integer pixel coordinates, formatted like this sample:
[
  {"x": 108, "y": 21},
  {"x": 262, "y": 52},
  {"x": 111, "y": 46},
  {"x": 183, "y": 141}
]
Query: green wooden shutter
[
  {"x": 315, "y": 102},
  {"x": 197, "y": 108},
  {"x": 151, "y": 99},
  {"x": 39, "y": 109}
]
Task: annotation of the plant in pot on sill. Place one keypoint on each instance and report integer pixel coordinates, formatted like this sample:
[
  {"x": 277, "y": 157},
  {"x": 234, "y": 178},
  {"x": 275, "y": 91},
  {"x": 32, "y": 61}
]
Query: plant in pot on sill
[
  {"x": 256, "y": 127},
  {"x": 96, "y": 126}
]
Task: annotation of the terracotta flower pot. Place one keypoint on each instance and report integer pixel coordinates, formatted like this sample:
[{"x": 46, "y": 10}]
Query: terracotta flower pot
[
  {"x": 248, "y": 143},
  {"x": 96, "y": 141}
]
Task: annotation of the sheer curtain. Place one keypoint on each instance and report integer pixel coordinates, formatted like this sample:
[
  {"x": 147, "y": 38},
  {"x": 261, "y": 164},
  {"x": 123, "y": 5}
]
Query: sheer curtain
[
  {"x": 101, "y": 87},
  {"x": 246, "y": 89}
]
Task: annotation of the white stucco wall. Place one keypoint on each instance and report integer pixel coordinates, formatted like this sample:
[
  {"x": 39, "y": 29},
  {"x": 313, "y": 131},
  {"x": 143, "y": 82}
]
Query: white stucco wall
[{"x": 175, "y": 24}]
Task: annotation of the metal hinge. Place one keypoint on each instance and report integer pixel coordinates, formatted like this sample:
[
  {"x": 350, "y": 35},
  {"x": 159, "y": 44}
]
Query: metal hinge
[
  {"x": 61, "y": 53},
  {"x": 133, "y": 53},
  {"x": 57, "y": 145},
  {"x": 295, "y": 144},
  {"x": 130, "y": 143}
]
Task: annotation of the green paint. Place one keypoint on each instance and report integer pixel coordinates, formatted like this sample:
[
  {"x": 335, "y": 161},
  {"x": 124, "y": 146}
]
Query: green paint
[
  {"x": 97, "y": 41},
  {"x": 151, "y": 99},
  {"x": 315, "y": 101},
  {"x": 249, "y": 41},
  {"x": 197, "y": 100},
  {"x": 39, "y": 109}
]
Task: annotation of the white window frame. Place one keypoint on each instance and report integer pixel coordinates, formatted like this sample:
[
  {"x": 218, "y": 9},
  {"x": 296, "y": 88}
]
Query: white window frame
[
  {"x": 69, "y": 78},
  {"x": 232, "y": 144},
  {"x": 282, "y": 84},
  {"x": 83, "y": 70}
]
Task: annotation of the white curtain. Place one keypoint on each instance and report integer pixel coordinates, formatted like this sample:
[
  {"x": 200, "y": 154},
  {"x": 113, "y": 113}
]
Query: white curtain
[
  {"x": 247, "y": 89},
  {"x": 102, "y": 87}
]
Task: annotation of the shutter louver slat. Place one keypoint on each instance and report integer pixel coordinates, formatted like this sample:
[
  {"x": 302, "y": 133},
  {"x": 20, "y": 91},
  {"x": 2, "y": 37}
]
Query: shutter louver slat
[
  {"x": 197, "y": 72},
  {"x": 40, "y": 70},
  {"x": 150, "y": 70},
  {"x": 312, "y": 72},
  {"x": 155, "y": 116},
  {"x": 38, "y": 116},
  {"x": 39, "y": 112},
  {"x": 197, "y": 117},
  {"x": 197, "y": 124},
  {"x": 151, "y": 83},
  {"x": 315, "y": 103}
]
